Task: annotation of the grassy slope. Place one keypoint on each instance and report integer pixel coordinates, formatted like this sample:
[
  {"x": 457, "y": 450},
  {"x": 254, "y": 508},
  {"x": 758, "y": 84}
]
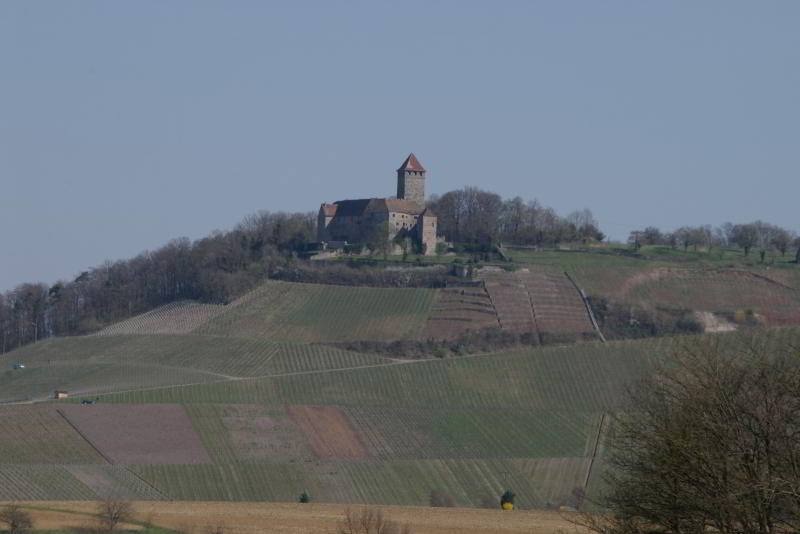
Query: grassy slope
[
  {"x": 99, "y": 364},
  {"x": 307, "y": 313}
]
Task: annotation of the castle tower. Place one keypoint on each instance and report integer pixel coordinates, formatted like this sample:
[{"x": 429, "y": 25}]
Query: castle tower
[{"x": 411, "y": 180}]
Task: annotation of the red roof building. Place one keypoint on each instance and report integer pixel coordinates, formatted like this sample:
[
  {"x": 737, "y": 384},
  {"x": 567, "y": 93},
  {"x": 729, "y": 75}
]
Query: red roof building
[{"x": 357, "y": 221}]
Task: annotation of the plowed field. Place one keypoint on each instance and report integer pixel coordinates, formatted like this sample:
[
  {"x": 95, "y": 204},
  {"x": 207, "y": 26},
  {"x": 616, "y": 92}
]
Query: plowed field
[
  {"x": 138, "y": 433},
  {"x": 330, "y": 432}
]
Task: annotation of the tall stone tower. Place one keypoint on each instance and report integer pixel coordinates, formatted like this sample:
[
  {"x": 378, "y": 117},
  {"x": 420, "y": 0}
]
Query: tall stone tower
[{"x": 411, "y": 180}]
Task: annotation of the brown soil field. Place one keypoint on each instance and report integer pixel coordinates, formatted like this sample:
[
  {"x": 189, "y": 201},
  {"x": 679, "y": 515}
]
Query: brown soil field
[
  {"x": 457, "y": 310},
  {"x": 330, "y": 432},
  {"x": 257, "y": 435},
  {"x": 141, "y": 434},
  {"x": 314, "y": 518},
  {"x": 54, "y": 520}
]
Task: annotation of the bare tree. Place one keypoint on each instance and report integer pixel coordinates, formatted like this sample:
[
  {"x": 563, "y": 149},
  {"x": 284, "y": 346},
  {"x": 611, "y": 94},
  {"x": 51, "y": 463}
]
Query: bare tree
[
  {"x": 709, "y": 443},
  {"x": 781, "y": 239},
  {"x": 370, "y": 521},
  {"x": 111, "y": 512},
  {"x": 15, "y": 518},
  {"x": 745, "y": 236}
]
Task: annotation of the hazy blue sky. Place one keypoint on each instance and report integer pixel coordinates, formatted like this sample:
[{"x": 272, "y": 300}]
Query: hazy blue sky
[{"x": 126, "y": 124}]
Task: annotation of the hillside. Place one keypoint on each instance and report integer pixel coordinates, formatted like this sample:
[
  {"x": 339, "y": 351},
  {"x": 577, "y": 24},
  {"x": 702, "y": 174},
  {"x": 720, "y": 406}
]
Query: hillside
[
  {"x": 251, "y": 401},
  {"x": 390, "y": 433}
]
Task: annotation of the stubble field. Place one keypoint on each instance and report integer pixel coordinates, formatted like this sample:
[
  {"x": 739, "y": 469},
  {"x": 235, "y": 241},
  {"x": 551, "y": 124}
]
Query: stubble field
[{"x": 313, "y": 518}]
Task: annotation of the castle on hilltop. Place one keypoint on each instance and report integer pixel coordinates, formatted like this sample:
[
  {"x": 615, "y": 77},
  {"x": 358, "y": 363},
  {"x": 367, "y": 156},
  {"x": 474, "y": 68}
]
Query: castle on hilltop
[{"x": 359, "y": 221}]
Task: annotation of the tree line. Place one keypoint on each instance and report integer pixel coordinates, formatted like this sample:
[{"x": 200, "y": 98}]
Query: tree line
[
  {"x": 477, "y": 217},
  {"x": 224, "y": 265},
  {"x": 216, "y": 269},
  {"x": 758, "y": 235}
]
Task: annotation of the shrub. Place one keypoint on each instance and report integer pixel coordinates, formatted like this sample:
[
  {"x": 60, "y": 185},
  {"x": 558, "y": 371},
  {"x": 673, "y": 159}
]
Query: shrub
[
  {"x": 440, "y": 352},
  {"x": 304, "y": 498},
  {"x": 507, "y": 500},
  {"x": 370, "y": 521},
  {"x": 112, "y": 512},
  {"x": 441, "y": 499},
  {"x": 16, "y": 518}
]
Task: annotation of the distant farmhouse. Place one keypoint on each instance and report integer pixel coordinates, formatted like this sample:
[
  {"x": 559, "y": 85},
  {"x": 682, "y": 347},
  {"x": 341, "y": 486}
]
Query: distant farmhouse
[{"x": 359, "y": 221}]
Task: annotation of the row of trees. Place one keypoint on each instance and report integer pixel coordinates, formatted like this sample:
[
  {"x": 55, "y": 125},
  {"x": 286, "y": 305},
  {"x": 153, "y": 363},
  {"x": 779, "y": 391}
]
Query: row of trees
[
  {"x": 758, "y": 235},
  {"x": 213, "y": 269},
  {"x": 472, "y": 215}
]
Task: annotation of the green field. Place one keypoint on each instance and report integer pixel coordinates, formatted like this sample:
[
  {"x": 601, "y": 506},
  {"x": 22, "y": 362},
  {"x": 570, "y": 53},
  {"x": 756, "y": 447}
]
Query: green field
[
  {"x": 471, "y": 482},
  {"x": 100, "y": 364},
  {"x": 308, "y": 313}
]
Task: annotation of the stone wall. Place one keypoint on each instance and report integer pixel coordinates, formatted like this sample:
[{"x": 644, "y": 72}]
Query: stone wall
[
  {"x": 411, "y": 186},
  {"x": 428, "y": 235}
]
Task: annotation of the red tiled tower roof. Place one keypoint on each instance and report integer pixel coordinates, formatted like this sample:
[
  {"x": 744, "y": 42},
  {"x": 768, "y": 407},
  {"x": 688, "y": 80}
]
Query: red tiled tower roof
[{"x": 411, "y": 164}]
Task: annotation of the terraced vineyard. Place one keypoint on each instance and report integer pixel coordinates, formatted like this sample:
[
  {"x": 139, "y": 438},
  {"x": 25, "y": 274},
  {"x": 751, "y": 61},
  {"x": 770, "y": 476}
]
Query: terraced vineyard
[
  {"x": 537, "y": 300},
  {"x": 557, "y": 306},
  {"x": 458, "y": 309},
  {"x": 510, "y": 299}
]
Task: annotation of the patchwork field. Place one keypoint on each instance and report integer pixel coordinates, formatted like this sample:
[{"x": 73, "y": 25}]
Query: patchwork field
[
  {"x": 469, "y": 427},
  {"x": 247, "y": 401}
]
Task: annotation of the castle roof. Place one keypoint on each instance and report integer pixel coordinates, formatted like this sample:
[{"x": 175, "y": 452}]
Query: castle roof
[
  {"x": 428, "y": 213},
  {"x": 411, "y": 164},
  {"x": 352, "y": 208},
  {"x": 402, "y": 205},
  {"x": 363, "y": 206}
]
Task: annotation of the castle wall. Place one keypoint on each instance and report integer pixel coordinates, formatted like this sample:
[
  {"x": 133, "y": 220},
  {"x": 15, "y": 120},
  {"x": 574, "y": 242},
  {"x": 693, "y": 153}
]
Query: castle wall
[
  {"x": 355, "y": 229},
  {"x": 322, "y": 226},
  {"x": 428, "y": 235}
]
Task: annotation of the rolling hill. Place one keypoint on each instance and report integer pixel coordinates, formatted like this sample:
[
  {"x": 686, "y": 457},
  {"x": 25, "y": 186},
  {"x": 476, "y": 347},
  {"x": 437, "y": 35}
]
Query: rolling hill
[{"x": 251, "y": 402}]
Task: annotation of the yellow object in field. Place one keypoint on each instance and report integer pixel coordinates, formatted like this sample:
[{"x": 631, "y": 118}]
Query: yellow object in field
[{"x": 508, "y": 506}]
